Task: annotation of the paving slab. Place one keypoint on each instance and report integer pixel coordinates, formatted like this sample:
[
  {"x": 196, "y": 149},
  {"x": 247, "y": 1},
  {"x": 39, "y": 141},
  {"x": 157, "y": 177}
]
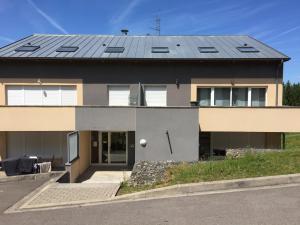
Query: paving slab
[
  {"x": 95, "y": 186},
  {"x": 56, "y": 194}
]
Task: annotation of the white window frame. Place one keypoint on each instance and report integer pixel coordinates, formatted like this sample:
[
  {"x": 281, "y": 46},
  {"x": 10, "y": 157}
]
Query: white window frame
[
  {"x": 266, "y": 95},
  {"x": 162, "y": 86},
  {"x": 115, "y": 86},
  {"x": 23, "y": 87},
  {"x": 212, "y": 95},
  {"x": 249, "y": 96}
]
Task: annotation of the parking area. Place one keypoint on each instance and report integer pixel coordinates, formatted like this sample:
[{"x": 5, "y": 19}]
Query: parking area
[{"x": 13, "y": 191}]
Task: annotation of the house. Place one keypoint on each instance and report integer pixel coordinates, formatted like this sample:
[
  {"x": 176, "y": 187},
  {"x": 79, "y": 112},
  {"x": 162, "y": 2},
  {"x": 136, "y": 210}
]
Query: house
[{"x": 115, "y": 100}]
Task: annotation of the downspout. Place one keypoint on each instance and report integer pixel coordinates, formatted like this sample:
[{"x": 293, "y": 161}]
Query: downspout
[
  {"x": 139, "y": 95},
  {"x": 276, "y": 102},
  {"x": 276, "y": 81}
]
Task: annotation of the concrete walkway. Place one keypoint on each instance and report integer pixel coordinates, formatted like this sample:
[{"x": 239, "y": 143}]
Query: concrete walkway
[
  {"x": 107, "y": 177},
  {"x": 95, "y": 186}
]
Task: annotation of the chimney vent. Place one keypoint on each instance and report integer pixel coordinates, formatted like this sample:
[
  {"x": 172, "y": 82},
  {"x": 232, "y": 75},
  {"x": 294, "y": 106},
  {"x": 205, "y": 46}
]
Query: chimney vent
[{"x": 124, "y": 31}]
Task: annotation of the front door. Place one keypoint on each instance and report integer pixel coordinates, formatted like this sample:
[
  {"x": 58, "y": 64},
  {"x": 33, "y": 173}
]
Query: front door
[{"x": 112, "y": 148}]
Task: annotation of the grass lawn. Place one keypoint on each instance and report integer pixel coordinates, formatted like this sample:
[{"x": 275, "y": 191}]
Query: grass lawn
[{"x": 251, "y": 165}]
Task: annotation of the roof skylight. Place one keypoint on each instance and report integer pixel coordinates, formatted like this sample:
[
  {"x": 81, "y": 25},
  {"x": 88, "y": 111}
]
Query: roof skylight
[
  {"x": 114, "y": 49},
  {"x": 210, "y": 49},
  {"x": 67, "y": 49},
  {"x": 247, "y": 49},
  {"x": 160, "y": 50},
  {"x": 27, "y": 48}
]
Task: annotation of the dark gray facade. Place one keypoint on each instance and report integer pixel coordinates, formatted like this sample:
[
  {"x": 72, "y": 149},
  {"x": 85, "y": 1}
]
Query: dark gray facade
[{"x": 98, "y": 75}]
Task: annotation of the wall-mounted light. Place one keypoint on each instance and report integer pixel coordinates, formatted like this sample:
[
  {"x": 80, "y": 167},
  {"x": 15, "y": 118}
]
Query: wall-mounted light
[
  {"x": 39, "y": 81},
  {"x": 232, "y": 83},
  {"x": 143, "y": 142}
]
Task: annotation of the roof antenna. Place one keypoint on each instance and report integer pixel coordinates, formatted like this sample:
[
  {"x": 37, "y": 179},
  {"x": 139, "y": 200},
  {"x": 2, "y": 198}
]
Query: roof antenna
[
  {"x": 124, "y": 31},
  {"x": 157, "y": 25}
]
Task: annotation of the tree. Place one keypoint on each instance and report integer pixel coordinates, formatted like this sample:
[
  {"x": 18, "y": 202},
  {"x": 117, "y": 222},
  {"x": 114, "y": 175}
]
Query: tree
[{"x": 291, "y": 94}]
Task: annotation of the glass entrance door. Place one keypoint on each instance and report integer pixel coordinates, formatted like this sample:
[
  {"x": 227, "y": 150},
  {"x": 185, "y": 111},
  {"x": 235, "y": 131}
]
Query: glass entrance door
[
  {"x": 113, "y": 147},
  {"x": 118, "y": 147}
]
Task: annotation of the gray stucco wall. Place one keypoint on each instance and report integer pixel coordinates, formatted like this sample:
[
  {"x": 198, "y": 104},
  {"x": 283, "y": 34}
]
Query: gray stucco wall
[
  {"x": 150, "y": 124},
  {"x": 105, "y": 118},
  {"x": 182, "y": 126}
]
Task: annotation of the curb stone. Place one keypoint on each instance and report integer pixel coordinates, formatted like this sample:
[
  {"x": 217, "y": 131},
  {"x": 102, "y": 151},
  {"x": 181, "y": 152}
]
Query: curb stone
[
  {"x": 173, "y": 191},
  {"x": 180, "y": 189}
]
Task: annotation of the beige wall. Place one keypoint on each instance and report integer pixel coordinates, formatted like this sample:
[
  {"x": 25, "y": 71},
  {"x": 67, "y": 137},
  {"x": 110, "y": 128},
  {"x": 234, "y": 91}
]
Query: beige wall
[
  {"x": 249, "y": 119},
  {"x": 73, "y": 169},
  {"x": 224, "y": 140},
  {"x": 79, "y": 166},
  {"x": 37, "y": 118},
  {"x": 2, "y": 145},
  {"x": 257, "y": 82},
  {"x": 65, "y": 82}
]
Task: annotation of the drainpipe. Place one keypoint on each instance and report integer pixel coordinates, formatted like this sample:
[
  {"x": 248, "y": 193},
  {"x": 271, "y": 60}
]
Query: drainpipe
[
  {"x": 139, "y": 95},
  {"x": 276, "y": 80}
]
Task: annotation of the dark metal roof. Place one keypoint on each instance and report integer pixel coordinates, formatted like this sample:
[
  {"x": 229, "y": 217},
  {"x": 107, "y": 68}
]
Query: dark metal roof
[{"x": 139, "y": 47}]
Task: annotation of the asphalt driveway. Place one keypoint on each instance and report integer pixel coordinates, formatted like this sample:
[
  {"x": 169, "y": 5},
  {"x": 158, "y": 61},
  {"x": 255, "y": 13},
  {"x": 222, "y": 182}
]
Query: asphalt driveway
[
  {"x": 274, "y": 206},
  {"x": 12, "y": 192}
]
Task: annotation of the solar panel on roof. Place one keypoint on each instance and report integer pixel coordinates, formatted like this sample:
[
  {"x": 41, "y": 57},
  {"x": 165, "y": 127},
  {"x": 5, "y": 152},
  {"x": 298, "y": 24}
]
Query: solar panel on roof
[
  {"x": 207, "y": 50},
  {"x": 67, "y": 49},
  {"x": 247, "y": 49},
  {"x": 27, "y": 48},
  {"x": 160, "y": 50},
  {"x": 114, "y": 49}
]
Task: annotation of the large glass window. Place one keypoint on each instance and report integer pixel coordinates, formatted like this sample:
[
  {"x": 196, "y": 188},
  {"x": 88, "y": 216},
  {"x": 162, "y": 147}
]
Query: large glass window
[
  {"x": 222, "y": 97},
  {"x": 258, "y": 97},
  {"x": 231, "y": 96},
  {"x": 239, "y": 96},
  {"x": 203, "y": 96}
]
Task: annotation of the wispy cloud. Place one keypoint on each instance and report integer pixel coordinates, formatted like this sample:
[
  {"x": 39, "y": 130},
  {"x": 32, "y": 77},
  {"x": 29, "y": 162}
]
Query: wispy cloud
[
  {"x": 6, "y": 39},
  {"x": 47, "y": 17},
  {"x": 288, "y": 31},
  {"x": 258, "y": 9},
  {"x": 126, "y": 12}
]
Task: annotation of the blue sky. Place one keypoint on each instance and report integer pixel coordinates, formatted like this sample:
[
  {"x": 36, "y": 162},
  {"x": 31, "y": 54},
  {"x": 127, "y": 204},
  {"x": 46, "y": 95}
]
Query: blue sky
[{"x": 275, "y": 22}]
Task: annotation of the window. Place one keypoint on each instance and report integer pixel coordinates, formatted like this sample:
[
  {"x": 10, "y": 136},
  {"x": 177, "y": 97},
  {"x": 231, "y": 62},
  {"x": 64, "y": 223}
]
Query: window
[
  {"x": 222, "y": 97},
  {"x": 258, "y": 96},
  {"x": 114, "y": 49},
  {"x": 118, "y": 95},
  {"x": 155, "y": 96},
  {"x": 247, "y": 49},
  {"x": 41, "y": 95},
  {"x": 239, "y": 96},
  {"x": 67, "y": 49},
  {"x": 27, "y": 48},
  {"x": 204, "y": 96},
  {"x": 207, "y": 50},
  {"x": 73, "y": 146},
  {"x": 233, "y": 96},
  {"x": 160, "y": 50}
]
